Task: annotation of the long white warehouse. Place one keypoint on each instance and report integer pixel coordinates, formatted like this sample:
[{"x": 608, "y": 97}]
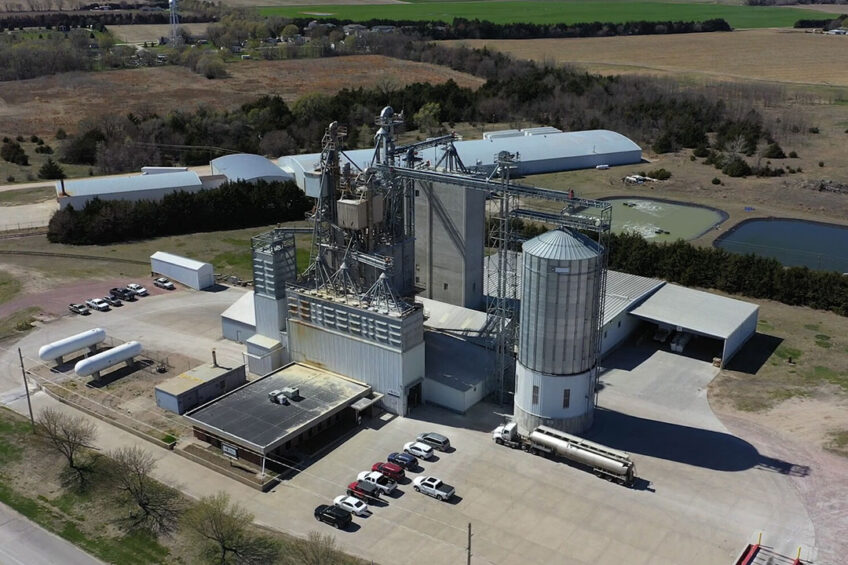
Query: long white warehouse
[
  {"x": 59, "y": 348},
  {"x": 540, "y": 150},
  {"x": 193, "y": 274}
]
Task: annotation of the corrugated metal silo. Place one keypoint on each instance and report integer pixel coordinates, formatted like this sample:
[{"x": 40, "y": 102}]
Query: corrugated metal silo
[
  {"x": 560, "y": 303},
  {"x": 562, "y": 273}
]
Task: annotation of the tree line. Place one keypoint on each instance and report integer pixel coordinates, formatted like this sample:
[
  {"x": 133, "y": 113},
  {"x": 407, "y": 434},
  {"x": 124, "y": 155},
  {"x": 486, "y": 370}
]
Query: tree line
[
  {"x": 712, "y": 267},
  {"x": 233, "y": 205},
  {"x": 653, "y": 111},
  {"x": 219, "y": 530}
]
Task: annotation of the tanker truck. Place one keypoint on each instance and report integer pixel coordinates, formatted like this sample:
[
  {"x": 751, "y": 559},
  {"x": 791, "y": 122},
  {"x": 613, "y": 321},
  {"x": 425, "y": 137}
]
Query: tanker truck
[{"x": 607, "y": 463}]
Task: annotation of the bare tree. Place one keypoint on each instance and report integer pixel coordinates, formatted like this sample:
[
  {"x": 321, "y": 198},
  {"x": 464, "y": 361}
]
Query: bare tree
[
  {"x": 316, "y": 549},
  {"x": 70, "y": 436},
  {"x": 157, "y": 507},
  {"x": 225, "y": 530}
]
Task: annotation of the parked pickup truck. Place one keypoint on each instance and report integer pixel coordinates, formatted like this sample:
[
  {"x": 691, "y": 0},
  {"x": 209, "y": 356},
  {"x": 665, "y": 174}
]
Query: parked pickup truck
[
  {"x": 434, "y": 487},
  {"x": 379, "y": 480}
]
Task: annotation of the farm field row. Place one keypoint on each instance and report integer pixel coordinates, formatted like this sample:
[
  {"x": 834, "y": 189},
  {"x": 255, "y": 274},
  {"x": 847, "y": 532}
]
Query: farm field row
[
  {"x": 788, "y": 56},
  {"x": 553, "y": 12}
]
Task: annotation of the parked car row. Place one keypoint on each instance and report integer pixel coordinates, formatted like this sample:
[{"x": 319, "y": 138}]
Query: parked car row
[
  {"x": 384, "y": 477},
  {"x": 116, "y": 297}
]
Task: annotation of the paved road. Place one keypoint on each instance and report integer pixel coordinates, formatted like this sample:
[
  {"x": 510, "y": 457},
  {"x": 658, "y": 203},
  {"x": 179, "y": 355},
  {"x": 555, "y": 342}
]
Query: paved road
[{"x": 24, "y": 543}]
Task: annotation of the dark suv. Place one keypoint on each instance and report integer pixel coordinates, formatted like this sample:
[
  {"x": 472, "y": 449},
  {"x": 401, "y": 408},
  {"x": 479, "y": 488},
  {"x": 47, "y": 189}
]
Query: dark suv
[
  {"x": 333, "y": 515},
  {"x": 122, "y": 293},
  {"x": 404, "y": 460}
]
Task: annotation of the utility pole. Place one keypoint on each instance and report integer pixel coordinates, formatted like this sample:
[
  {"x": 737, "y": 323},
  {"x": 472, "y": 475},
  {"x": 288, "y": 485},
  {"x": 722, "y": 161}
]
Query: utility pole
[
  {"x": 29, "y": 404},
  {"x": 469, "y": 543}
]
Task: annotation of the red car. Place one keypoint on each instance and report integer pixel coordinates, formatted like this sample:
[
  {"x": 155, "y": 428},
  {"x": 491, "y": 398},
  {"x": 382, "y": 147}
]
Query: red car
[
  {"x": 363, "y": 491},
  {"x": 392, "y": 471}
]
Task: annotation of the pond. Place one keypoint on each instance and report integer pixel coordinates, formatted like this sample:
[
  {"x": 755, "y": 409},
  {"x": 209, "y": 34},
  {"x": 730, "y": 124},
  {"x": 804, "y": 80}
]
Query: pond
[
  {"x": 792, "y": 242},
  {"x": 662, "y": 220}
]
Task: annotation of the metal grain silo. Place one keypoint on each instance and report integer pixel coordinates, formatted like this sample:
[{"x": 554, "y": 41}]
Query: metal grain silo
[{"x": 558, "y": 332}]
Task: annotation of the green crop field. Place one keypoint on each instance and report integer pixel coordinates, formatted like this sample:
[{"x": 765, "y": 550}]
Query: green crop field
[{"x": 554, "y": 12}]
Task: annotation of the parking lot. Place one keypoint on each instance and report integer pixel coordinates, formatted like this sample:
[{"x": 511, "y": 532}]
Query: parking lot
[{"x": 702, "y": 496}]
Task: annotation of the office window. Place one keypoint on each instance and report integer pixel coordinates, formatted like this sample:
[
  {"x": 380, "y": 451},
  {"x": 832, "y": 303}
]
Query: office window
[
  {"x": 446, "y": 286},
  {"x": 566, "y": 398},
  {"x": 535, "y": 394}
]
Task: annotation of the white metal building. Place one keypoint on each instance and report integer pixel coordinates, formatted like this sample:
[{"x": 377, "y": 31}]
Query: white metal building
[
  {"x": 540, "y": 150},
  {"x": 383, "y": 349},
  {"x": 77, "y": 193},
  {"x": 248, "y": 167},
  {"x": 238, "y": 322},
  {"x": 624, "y": 292},
  {"x": 699, "y": 313},
  {"x": 189, "y": 272}
]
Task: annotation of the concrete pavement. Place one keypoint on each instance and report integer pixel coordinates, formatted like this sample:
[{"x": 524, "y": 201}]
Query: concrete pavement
[
  {"x": 703, "y": 492},
  {"x": 25, "y": 543}
]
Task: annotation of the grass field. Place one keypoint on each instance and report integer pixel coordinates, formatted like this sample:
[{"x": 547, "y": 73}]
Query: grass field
[
  {"x": 554, "y": 12},
  {"x": 787, "y": 56},
  {"x": 41, "y": 105}
]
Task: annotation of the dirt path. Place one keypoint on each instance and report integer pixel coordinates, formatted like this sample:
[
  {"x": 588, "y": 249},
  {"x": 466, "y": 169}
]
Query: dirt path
[{"x": 824, "y": 490}]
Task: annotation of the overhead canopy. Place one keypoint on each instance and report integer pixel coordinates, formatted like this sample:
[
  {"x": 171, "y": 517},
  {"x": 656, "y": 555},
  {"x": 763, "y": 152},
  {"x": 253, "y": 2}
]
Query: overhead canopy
[{"x": 702, "y": 313}]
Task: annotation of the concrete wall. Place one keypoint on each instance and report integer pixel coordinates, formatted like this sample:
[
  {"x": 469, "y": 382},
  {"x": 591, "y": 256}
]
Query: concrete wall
[
  {"x": 235, "y": 330},
  {"x": 738, "y": 338},
  {"x": 449, "y": 240},
  {"x": 617, "y": 330},
  {"x": 549, "y": 410},
  {"x": 202, "y": 393}
]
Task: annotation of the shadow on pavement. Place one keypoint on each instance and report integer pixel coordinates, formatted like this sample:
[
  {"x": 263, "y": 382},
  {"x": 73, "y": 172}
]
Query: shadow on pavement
[
  {"x": 692, "y": 446},
  {"x": 754, "y": 354}
]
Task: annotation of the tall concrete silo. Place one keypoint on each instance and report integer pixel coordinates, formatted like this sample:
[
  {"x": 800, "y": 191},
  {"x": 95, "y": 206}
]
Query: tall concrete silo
[{"x": 562, "y": 273}]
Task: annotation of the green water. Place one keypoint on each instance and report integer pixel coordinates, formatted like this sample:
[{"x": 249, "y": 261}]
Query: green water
[{"x": 647, "y": 217}]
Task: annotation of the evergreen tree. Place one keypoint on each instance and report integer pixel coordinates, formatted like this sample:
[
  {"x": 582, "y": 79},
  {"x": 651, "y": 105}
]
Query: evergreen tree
[{"x": 51, "y": 170}]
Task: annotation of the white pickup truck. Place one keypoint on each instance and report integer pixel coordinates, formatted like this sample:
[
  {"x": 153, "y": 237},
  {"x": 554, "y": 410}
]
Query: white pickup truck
[
  {"x": 434, "y": 487},
  {"x": 379, "y": 480}
]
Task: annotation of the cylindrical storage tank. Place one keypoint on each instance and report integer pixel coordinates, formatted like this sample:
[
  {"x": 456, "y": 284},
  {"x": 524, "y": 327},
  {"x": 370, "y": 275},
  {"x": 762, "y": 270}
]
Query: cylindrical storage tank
[
  {"x": 101, "y": 361},
  {"x": 558, "y": 333},
  {"x": 560, "y": 303},
  {"x": 70, "y": 344}
]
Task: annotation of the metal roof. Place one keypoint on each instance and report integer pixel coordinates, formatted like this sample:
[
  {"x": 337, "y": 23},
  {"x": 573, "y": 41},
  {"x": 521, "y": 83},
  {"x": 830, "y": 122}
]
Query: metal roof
[
  {"x": 443, "y": 316},
  {"x": 624, "y": 290},
  {"x": 242, "y": 310},
  {"x": 455, "y": 362},
  {"x": 179, "y": 260},
  {"x": 246, "y": 166},
  {"x": 134, "y": 183},
  {"x": 701, "y": 312},
  {"x": 562, "y": 245},
  {"x": 554, "y": 147},
  {"x": 191, "y": 379},
  {"x": 247, "y": 417}
]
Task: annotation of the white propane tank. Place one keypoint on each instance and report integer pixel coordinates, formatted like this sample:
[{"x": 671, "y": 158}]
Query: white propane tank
[
  {"x": 104, "y": 360},
  {"x": 70, "y": 344}
]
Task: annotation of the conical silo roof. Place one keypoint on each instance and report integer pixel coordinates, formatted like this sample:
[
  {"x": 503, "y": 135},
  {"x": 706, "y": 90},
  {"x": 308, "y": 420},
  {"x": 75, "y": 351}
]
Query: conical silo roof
[{"x": 562, "y": 245}]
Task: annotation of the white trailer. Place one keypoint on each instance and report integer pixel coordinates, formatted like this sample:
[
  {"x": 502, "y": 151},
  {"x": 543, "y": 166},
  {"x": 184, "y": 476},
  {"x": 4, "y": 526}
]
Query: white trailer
[{"x": 605, "y": 462}]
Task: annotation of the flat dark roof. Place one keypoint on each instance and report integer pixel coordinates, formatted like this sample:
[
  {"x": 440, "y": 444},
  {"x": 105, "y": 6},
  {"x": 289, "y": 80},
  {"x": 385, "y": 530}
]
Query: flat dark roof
[{"x": 248, "y": 418}]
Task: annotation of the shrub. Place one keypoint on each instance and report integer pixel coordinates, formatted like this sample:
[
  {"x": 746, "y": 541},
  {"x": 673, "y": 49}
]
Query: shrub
[
  {"x": 736, "y": 167},
  {"x": 716, "y": 180},
  {"x": 774, "y": 151},
  {"x": 12, "y": 152},
  {"x": 659, "y": 174},
  {"x": 19, "y": 139},
  {"x": 813, "y": 130},
  {"x": 793, "y": 155},
  {"x": 61, "y": 134},
  {"x": 821, "y": 163},
  {"x": 664, "y": 144},
  {"x": 701, "y": 151},
  {"x": 10, "y": 178},
  {"x": 33, "y": 139}
]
